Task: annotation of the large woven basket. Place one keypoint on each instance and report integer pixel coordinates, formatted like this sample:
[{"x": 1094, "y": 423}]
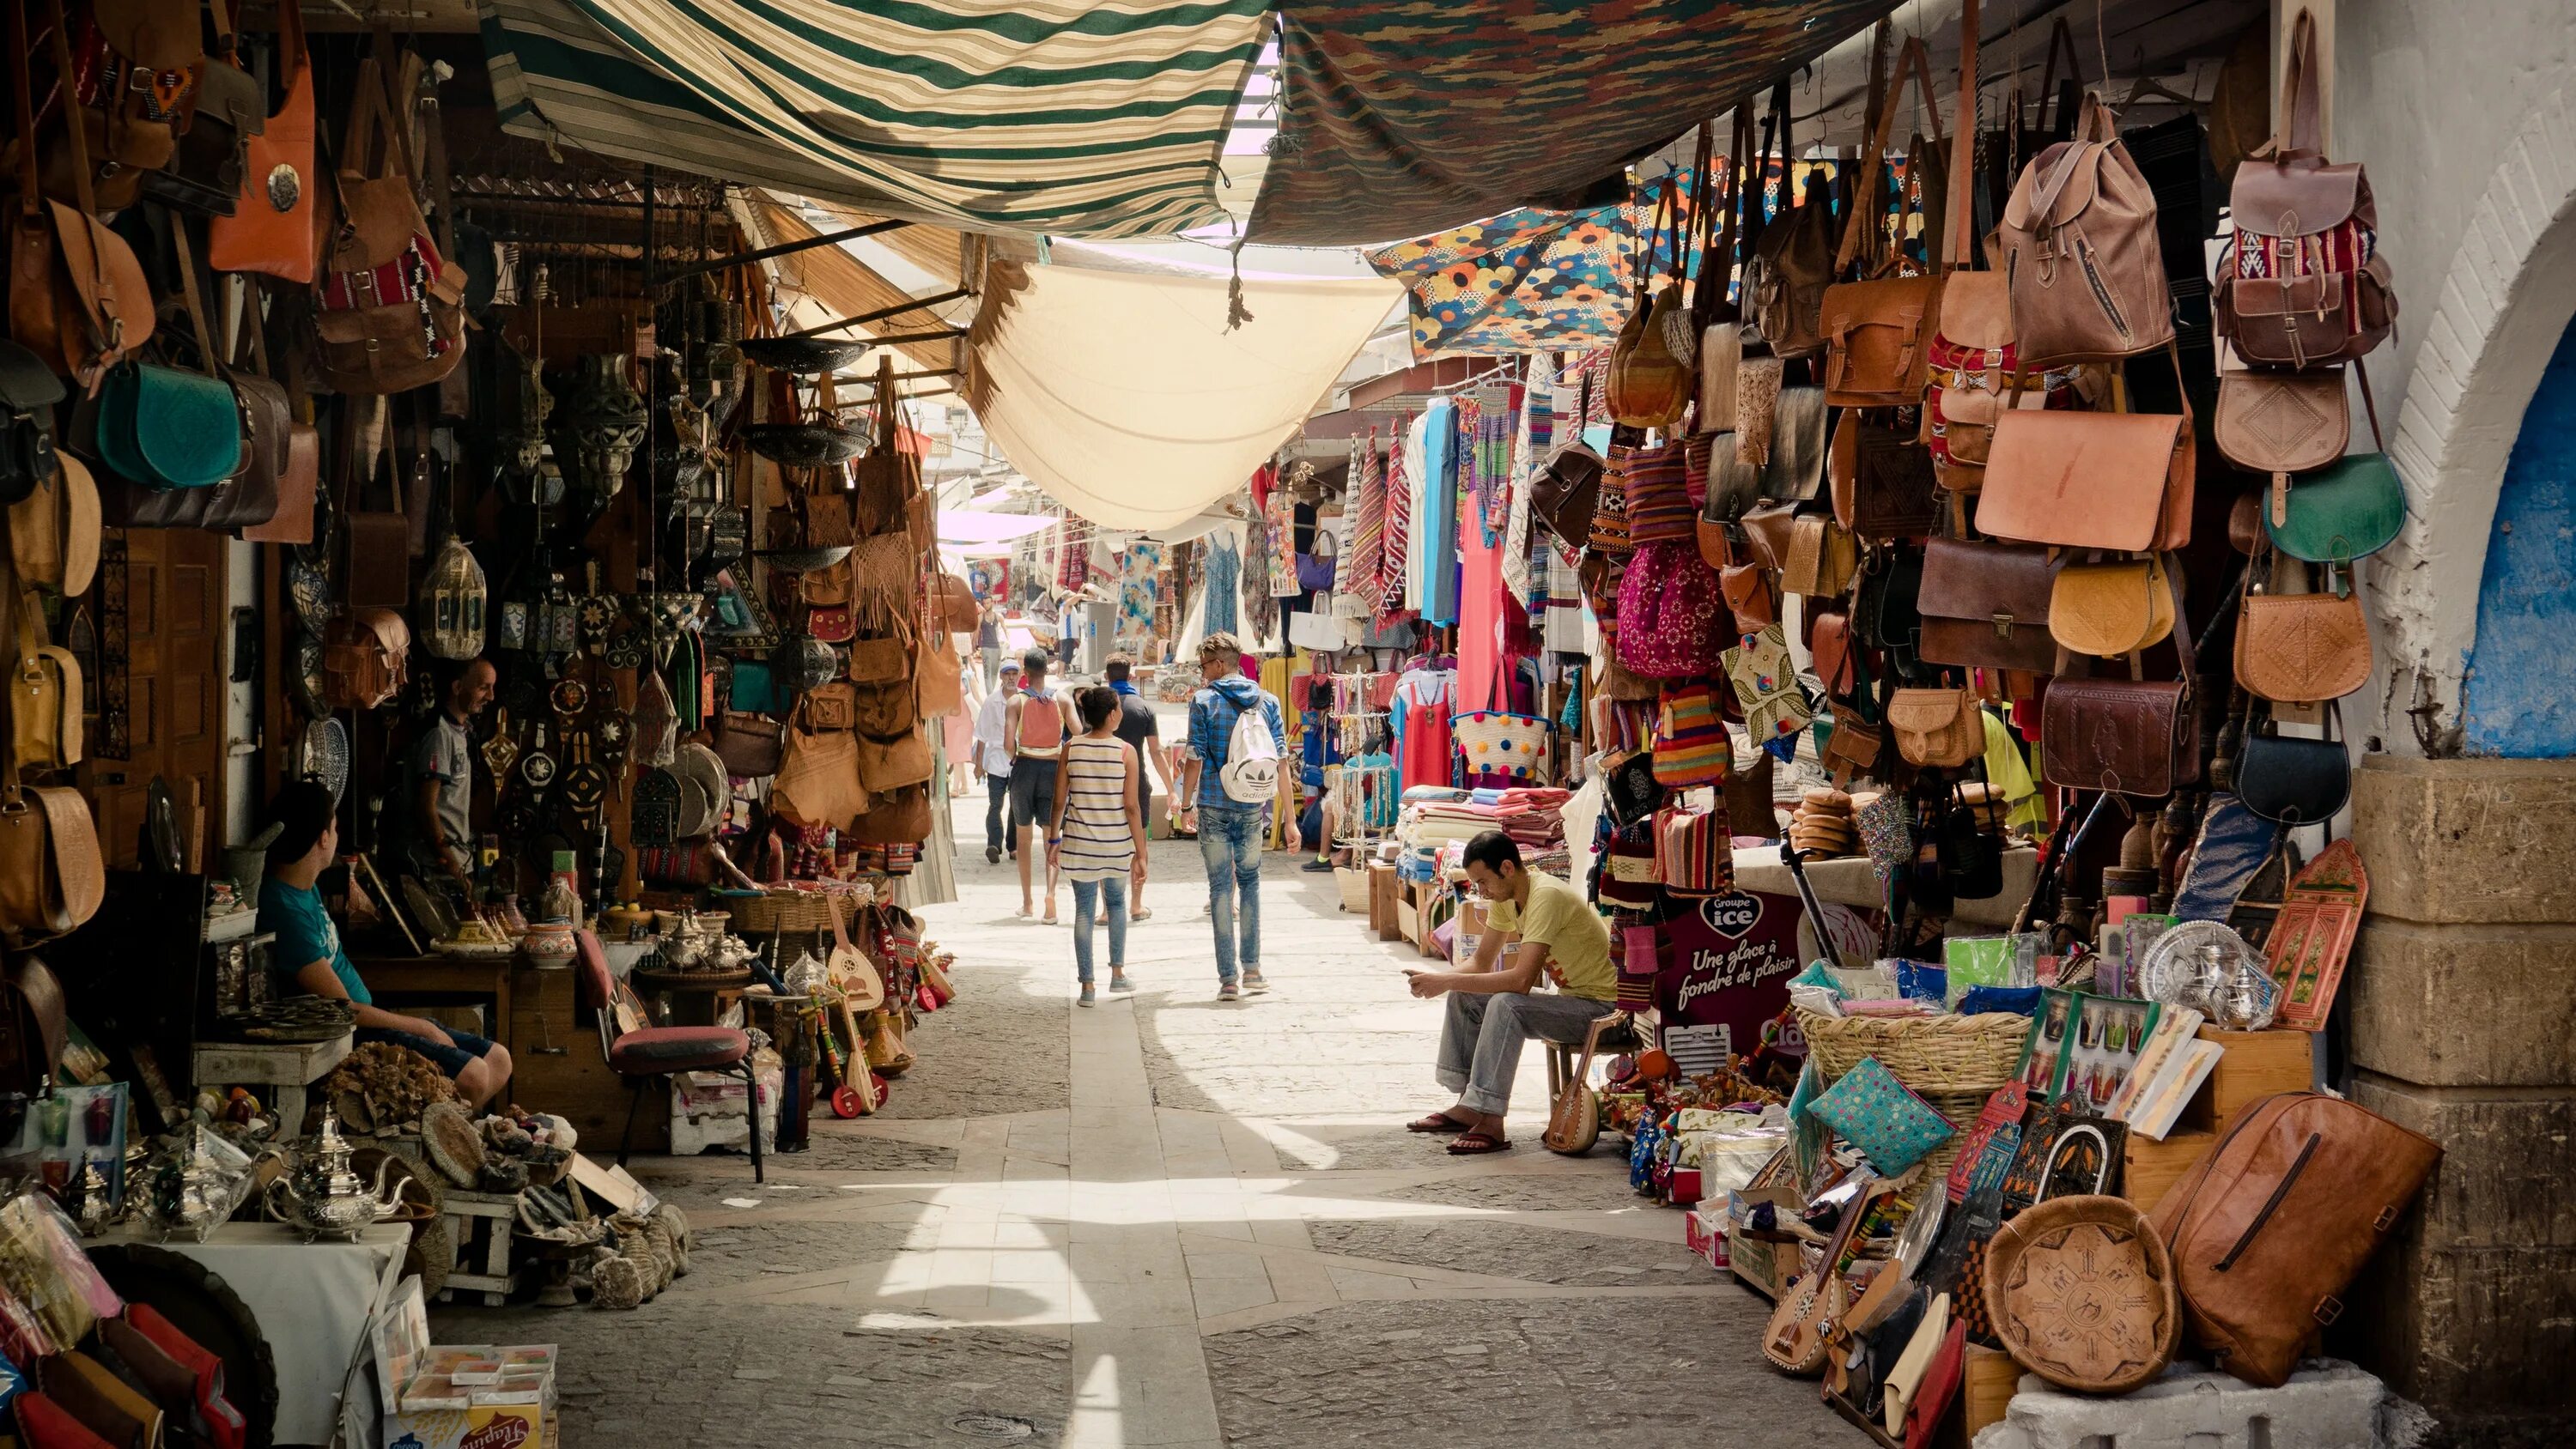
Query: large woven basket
[
  {"x": 1960, "y": 1108},
  {"x": 1927, "y": 1054},
  {"x": 785, "y": 912}
]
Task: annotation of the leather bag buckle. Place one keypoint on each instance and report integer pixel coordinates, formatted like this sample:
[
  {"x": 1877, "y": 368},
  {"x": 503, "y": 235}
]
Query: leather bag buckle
[
  {"x": 2329, "y": 1308},
  {"x": 2003, "y": 624}
]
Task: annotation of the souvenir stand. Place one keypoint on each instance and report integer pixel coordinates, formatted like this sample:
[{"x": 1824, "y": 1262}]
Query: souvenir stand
[
  {"x": 600, "y": 604},
  {"x": 1961, "y": 728}
]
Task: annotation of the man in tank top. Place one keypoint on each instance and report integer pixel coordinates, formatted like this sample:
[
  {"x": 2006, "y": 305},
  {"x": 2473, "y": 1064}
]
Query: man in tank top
[{"x": 1034, "y": 730}]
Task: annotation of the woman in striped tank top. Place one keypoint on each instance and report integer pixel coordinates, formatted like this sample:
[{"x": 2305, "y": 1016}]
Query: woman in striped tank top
[{"x": 1098, "y": 836}]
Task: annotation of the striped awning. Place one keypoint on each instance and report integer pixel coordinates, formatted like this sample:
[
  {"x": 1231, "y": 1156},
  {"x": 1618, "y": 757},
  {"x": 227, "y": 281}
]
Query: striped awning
[{"x": 1064, "y": 117}]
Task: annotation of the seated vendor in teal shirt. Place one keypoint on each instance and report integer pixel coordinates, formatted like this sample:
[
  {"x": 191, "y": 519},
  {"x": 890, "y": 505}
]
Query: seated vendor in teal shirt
[{"x": 309, "y": 959}]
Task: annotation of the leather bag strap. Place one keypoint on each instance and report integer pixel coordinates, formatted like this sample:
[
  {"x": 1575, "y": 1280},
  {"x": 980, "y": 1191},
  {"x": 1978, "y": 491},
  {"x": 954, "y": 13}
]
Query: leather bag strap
[
  {"x": 208, "y": 360},
  {"x": 1960, "y": 238},
  {"x": 1866, "y": 213},
  {"x": 73, "y": 131},
  {"x": 2301, "y": 127}
]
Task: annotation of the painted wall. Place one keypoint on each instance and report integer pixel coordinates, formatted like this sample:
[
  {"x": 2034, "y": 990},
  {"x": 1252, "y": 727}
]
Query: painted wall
[{"x": 2519, "y": 698}]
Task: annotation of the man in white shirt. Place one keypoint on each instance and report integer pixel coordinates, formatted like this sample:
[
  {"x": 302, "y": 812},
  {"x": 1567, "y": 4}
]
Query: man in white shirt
[{"x": 993, "y": 763}]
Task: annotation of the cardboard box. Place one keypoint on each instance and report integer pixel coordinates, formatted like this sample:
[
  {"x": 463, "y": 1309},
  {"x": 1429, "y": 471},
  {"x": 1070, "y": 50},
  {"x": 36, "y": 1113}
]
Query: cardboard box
[{"x": 493, "y": 1426}]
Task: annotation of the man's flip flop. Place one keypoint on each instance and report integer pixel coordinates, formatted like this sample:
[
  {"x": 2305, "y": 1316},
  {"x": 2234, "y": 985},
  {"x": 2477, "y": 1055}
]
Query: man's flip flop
[
  {"x": 1436, "y": 1122},
  {"x": 1474, "y": 1143}
]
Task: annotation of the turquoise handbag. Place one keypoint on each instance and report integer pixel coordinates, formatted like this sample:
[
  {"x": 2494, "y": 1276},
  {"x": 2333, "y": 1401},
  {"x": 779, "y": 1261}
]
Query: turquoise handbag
[
  {"x": 166, "y": 428},
  {"x": 755, "y": 690},
  {"x": 2349, "y": 510}
]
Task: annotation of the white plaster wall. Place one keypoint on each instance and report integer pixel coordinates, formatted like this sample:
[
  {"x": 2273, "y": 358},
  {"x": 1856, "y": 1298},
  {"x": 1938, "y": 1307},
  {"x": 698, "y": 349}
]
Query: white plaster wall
[{"x": 2465, "y": 113}]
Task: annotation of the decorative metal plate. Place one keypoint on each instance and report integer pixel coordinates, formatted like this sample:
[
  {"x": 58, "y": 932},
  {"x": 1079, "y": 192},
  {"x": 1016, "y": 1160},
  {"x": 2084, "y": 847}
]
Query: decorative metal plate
[{"x": 322, "y": 753}]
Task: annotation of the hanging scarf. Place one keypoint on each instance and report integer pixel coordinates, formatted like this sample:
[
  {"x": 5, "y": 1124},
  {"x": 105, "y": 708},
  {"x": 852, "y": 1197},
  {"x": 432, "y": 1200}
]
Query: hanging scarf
[
  {"x": 1277, "y": 566},
  {"x": 1364, "y": 556},
  {"x": 1534, "y": 425},
  {"x": 1399, "y": 524}
]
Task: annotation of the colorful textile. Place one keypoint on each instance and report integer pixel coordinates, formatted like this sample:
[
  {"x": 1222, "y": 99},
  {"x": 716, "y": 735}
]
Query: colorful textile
[
  {"x": 1435, "y": 540},
  {"x": 1874, "y": 1112},
  {"x": 1364, "y": 557},
  {"x": 1401, "y": 117},
  {"x": 1394, "y": 549},
  {"x": 1224, "y": 577},
  {"x": 1526, "y": 281},
  {"x": 1279, "y": 556}
]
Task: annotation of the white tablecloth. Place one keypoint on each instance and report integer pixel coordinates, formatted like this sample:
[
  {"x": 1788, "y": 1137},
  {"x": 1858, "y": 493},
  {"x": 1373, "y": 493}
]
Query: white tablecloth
[
  {"x": 313, "y": 1302},
  {"x": 1848, "y": 880}
]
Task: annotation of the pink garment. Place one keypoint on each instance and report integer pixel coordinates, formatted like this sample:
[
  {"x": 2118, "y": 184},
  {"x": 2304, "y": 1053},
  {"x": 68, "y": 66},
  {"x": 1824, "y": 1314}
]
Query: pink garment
[
  {"x": 1480, "y": 622},
  {"x": 1427, "y": 746}
]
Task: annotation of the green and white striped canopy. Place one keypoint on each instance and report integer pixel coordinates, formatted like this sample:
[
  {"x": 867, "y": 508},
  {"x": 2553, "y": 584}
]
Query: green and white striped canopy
[{"x": 1067, "y": 117}]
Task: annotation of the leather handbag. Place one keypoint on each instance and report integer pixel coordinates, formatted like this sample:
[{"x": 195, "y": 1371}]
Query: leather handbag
[
  {"x": 29, "y": 393},
  {"x": 1986, "y": 605},
  {"x": 52, "y": 877},
  {"x": 271, "y": 226},
  {"x": 2082, "y": 262},
  {"x": 818, "y": 779},
  {"x": 1834, "y": 652},
  {"x": 833, "y": 706},
  {"x": 938, "y": 676},
  {"x": 1878, "y": 332},
  {"x": 1887, "y": 609},
  {"x": 164, "y": 427},
  {"x": 1940, "y": 728},
  {"x": 886, "y": 766},
  {"x": 953, "y": 603},
  {"x": 2302, "y": 648},
  {"x": 1795, "y": 468},
  {"x": 77, "y": 294},
  {"x": 45, "y": 698},
  {"x": 1793, "y": 263},
  {"x": 299, "y": 485},
  {"x": 2127, "y": 736},
  {"x": 902, "y": 818},
  {"x": 1822, "y": 557},
  {"x": 1769, "y": 532},
  {"x": 2111, "y": 610},
  {"x": 881, "y": 709},
  {"x": 1564, "y": 493},
  {"x": 2290, "y": 781},
  {"x": 2346, "y": 511},
  {"x": 366, "y": 658},
  {"x": 750, "y": 745},
  {"x": 2274, "y": 1222},
  {"x": 54, "y": 531},
  {"x": 1752, "y": 594},
  {"x": 1883, "y": 484},
  {"x": 389, "y": 314},
  {"x": 2301, "y": 282},
  {"x": 2120, "y": 481},
  {"x": 2280, "y": 423}
]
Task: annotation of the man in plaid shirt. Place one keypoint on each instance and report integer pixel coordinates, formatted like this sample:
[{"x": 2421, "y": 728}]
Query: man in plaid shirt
[{"x": 1231, "y": 832}]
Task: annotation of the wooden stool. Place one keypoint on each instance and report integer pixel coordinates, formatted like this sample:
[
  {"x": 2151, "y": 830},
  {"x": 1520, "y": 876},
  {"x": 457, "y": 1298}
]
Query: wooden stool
[
  {"x": 481, "y": 1225},
  {"x": 1561, "y": 1057}
]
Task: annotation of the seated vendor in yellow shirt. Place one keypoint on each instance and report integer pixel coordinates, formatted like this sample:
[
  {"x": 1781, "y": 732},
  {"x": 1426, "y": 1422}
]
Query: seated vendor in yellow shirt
[{"x": 1552, "y": 935}]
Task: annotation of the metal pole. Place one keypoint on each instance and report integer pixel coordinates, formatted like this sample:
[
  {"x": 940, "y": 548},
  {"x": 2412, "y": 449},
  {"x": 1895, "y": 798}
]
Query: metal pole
[
  {"x": 784, "y": 248},
  {"x": 882, "y": 313}
]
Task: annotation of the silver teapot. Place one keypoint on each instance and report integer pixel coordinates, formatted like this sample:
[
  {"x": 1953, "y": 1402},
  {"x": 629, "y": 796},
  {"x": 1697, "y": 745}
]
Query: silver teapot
[{"x": 330, "y": 1199}]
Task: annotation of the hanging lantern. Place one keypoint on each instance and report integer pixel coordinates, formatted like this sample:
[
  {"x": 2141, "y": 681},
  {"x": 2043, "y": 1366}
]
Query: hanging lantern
[
  {"x": 522, "y": 405},
  {"x": 603, "y": 417},
  {"x": 452, "y": 600}
]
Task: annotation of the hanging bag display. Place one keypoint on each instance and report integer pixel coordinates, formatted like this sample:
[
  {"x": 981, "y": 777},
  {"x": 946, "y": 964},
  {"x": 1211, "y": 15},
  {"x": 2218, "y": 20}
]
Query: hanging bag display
[
  {"x": 2301, "y": 282},
  {"x": 2111, "y": 610},
  {"x": 1793, "y": 264},
  {"x": 2301, "y": 648},
  {"x": 2294, "y": 782},
  {"x": 1883, "y": 484},
  {"x": 1941, "y": 728},
  {"x": 388, "y": 315},
  {"x": 77, "y": 294},
  {"x": 2081, "y": 261},
  {"x": 1876, "y": 330}
]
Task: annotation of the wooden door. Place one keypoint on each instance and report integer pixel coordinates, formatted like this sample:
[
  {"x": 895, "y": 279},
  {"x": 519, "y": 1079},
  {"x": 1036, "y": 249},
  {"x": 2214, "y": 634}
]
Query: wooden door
[{"x": 174, "y": 690}]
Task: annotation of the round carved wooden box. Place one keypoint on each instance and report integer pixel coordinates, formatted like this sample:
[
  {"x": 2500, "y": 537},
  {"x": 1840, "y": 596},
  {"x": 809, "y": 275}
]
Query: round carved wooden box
[{"x": 2082, "y": 1294}]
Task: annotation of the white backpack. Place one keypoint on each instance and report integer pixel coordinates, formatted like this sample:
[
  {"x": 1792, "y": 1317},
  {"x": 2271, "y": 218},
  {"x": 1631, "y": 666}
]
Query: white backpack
[{"x": 1251, "y": 773}]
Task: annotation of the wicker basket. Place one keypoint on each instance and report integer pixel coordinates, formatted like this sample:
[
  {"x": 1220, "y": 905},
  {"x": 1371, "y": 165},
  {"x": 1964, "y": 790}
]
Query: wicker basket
[
  {"x": 784, "y": 912},
  {"x": 1927, "y": 1054},
  {"x": 1960, "y": 1108}
]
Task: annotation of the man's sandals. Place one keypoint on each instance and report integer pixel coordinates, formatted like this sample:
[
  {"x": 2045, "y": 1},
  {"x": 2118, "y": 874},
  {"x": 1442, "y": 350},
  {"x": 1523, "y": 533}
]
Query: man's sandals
[
  {"x": 1436, "y": 1122},
  {"x": 1471, "y": 1144}
]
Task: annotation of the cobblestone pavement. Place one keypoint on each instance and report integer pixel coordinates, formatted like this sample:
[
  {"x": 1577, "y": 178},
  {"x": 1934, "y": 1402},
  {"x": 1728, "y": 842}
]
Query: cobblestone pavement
[{"x": 1169, "y": 1221}]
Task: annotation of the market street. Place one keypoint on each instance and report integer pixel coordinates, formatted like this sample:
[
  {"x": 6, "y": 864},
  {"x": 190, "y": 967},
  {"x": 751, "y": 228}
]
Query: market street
[{"x": 1169, "y": 1221}]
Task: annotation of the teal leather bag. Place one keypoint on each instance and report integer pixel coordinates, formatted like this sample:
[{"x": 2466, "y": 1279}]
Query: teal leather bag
[
  {"x": 2349, "y": 510},
  {"x": 167, "y": 428}
]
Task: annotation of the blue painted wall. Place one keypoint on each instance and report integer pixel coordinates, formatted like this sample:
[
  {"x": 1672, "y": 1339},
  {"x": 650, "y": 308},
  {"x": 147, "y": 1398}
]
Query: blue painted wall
[{"x": 2520, "y": 697}]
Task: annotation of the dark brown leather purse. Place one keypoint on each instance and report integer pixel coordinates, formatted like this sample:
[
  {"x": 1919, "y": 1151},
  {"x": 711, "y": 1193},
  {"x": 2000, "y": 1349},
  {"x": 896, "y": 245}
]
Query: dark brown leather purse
[
  {"x": 1985, "y": 605},
  {"x": 1566, "y": 491},
  {"x": 2127, "y": 736},
  {"x": 1883, "y": 484},
  {"x": 33, "y": 1026}
]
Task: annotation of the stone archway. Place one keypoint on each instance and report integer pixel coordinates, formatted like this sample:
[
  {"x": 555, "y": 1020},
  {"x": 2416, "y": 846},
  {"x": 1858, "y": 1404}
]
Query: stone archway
[{"x": 2508, "y": 296}]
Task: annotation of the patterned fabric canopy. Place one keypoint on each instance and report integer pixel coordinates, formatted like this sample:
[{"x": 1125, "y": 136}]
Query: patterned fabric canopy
[
  {"x": 1527, "y": 280},
  {"x": 1040, "y": 116},
  {"x": 1401, "y": 117}
]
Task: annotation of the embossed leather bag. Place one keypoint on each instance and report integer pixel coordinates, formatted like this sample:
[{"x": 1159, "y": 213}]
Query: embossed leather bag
[
  {"x": 51, "y": 875},
  {"x": 1940, "y": 728},
  {"x": 2111, "y": 609},
  {"x": 2275, "y": 1221},
  {"x": 2082, "y": 262},
  {"x": 2301, "y": 648},
  {"x": 1985, "y": 605},
  {"x": 1883, "y": 484},
  {"x": 2301, "y": 283},
  {"x": 2128, "y": 736},
  {"x": 1822, "y": 557},
  {"x": 2120, "y": 481},
  {"x": 44, "y": 697},
  {"x": 2280, "y": 423},
  {"x": 2348, "y": 510}
]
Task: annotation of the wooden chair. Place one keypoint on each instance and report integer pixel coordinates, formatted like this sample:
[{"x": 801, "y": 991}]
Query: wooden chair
[{"x": 642, "y": 1053}]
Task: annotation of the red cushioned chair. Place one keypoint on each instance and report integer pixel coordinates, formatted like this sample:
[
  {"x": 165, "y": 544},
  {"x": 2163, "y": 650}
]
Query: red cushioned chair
[{"x": 647, "y": 1052}]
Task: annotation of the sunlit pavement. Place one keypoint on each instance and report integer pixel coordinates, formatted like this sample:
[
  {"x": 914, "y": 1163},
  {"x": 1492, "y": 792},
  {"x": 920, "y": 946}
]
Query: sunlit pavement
[{"x": 1170, "y": 1221}]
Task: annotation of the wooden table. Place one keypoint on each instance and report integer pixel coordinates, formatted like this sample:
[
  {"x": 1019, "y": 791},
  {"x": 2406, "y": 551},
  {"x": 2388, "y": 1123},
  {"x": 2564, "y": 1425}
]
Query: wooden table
[{"x": 288, "y": 1067}]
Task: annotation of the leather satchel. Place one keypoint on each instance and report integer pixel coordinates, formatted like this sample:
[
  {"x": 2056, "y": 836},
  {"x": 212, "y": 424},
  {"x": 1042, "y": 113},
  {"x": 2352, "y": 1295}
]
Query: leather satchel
[
  {"x": 2119, "y": 481},
  {"x": 1852, "y": 748},
  {"x": 2273, "y": 1223},
  {"x": 2081, "y": 257},
  {"x": 902, "y": 818},
  {"x": 1939, "y": 728},
  {"x": 54, "y": 531},
  {"x": 389, "y": 313},
  {"x": 1883, "y": 484},
  {"x": 1986, "y": 605},
  {"x": 1878, "y": 332},
  {"x": 2111, "y": 610},
  {"x": 45, "y": 698},
  {"x": 1795, "y": 468},
  {"x": 379, "y": 558},
  {"x": 51, "y": 875},
  {"x": 1751, "y": 593},
  {"x": 366, "y": 658},
  {"x": 2126, "y": 736},
  {"x": 2301, "y": 648},
  {"x": 77, "y": 294},
  {"x": 2294, "y": 782},
  {"x": 2301, "y": 282},
  {"x": 1565, "y": 492},
  {"x": 299, "y": 485},
  {"x": 271, "y": 226},
  {"x": 2346, "y": 511},
  {"x": 1822, "y": 557},
  {"x": 2280, "y": 423},
  {"x": 881, "y": 708},
  {"x": 1768, "y": 532},
  {"x": 751, "y": 745},
  {"x": 29, "y": 393}
]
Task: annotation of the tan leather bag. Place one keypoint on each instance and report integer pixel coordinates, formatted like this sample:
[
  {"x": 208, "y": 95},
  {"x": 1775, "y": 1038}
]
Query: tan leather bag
[
  {"x": 1648, "y": 386},
  {"x": 2118, "y": 481},
  {"x": 1769, "y": 531},
  {"x": 1823, "y": 557},
  {"x": 2112, "y": 609},
  {"x": 52, "y": 877},
  {"x": 271, "y": 229},
  {"x": 368, "y": 344},
  {"x": 886, "y": 766},
  {"x": 2275, "y": 1221},
  {"x": 2302, "y": 648},
  {"x": 939, "y": 681},
  {"x": 299, "y": 480},
  {"x": 818, "y": 779},
  {"x": 1793, "y": 264},
  {"x": 77, "y": 294},
  {"x": 1878, "y": 332},
  {"x": 1937, "y": 728},
  {"x": 2081, "y": 256},
  {"x": 44, "y": 697},
  {"x": 2280, "y": 423},
  {"x": 54, "y": 531},
  {"x": 366, "y": 658}
]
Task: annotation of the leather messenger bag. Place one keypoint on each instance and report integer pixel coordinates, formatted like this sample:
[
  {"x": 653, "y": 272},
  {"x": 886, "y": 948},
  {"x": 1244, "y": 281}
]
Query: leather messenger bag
[
  {"x": 1985, "y": 605},
  {"x": 2127, "y": 736},
  {"x": 2273, "y": 1224},
  {"x": 2120, "y": 481}
]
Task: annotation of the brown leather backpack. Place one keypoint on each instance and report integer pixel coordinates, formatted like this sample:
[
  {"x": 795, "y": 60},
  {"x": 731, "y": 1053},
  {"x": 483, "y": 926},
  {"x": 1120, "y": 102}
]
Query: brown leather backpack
[
  {"x": 1878, "y": 331},
  {"x": 2301, "y": 284},
  {"x": 2081, "y": 260},
  {"x": 1784, "y": 284},
  {"x": 2276, "y": 1220},
  {"x": 366, "y": 658},
  {"x": 77, "y": 295},
  {"x": 372, "y": 340}
]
